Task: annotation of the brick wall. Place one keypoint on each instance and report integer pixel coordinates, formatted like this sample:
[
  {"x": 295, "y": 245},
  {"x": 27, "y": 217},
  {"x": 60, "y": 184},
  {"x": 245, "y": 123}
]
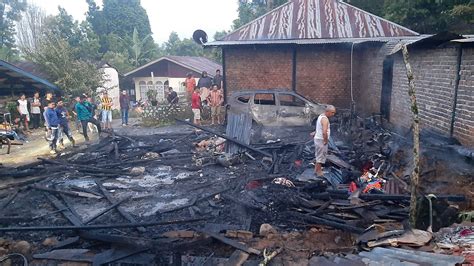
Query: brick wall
[
  {"x": 367, "y": 80},
  {"x": 435, "y": 72},
  {"x": 258, "y": 68},
  {"x": 464, "y": 123},
  {"x": 323, "y": 74}
]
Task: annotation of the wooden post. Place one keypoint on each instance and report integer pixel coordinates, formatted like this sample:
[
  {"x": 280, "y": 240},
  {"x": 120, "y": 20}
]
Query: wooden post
[{"x": 415, "y": 176}]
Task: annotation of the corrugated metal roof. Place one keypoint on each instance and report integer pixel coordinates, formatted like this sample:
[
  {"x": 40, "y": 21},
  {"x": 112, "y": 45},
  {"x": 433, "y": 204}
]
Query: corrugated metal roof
[
  {"x": 194, "y": 63},
  {"x": 317, "y": 19},
  {"x": 313, "y": 41},
  {"x": 24, "y": 79}
]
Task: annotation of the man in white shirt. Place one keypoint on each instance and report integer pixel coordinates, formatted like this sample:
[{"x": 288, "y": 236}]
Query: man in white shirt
[
  {"x": 23, "y": 107},
  {"x": 35, "y": 111},
  {"x": 321, "y": 138}
]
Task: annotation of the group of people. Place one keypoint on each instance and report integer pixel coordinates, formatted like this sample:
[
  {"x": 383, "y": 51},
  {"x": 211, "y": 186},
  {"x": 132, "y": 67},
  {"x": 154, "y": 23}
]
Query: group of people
[
  {"x": 207, "y": 92},
  {"x": 53, "y": 114}
]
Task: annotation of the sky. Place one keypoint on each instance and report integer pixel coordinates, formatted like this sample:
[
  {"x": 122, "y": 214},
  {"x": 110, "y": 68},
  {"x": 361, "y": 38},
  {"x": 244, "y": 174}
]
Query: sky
[{"x": 181, "y": 16}]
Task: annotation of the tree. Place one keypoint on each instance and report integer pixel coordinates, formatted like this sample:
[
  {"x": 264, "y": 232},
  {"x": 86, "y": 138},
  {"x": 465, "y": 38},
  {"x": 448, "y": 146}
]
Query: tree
[
  {"x": 10, "y": 12},
  {"x": 57, "y": 58},
  {"x": 252, "y": 9},
  {"x": 424, "y": 16},
  {"x": 30, "y": 28}
]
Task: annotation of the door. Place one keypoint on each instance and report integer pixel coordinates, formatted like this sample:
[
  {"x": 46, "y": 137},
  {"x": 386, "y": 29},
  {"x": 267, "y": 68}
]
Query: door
[
  {"x": 264, "y": 109},
  {"x": 292, "y": 110},
  {"x": 387, "y": 80}
]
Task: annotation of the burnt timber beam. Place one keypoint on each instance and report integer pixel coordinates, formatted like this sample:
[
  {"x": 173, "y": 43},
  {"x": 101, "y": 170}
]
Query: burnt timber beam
[
  {"x": 231, "y": 242},
  {"x": 122, "y": 211},
  {"x": 96, "y": 227},
  {"x": 264, "y": 153}
]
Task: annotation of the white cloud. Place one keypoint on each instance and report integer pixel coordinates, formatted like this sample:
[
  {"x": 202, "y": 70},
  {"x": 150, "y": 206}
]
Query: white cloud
[{"x": 182, "y": 16}]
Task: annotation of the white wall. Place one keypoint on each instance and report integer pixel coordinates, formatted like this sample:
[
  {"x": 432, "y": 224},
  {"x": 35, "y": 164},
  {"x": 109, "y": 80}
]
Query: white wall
[{"x": 112, "y": 85}]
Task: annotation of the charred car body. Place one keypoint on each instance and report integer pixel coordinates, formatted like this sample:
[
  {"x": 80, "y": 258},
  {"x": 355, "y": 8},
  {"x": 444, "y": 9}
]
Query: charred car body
[{"x": 275, "y": 107}]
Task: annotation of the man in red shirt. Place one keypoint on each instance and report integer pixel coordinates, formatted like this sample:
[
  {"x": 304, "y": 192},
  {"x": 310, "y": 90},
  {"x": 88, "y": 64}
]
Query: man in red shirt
[
  {"x": 190, "y": 84},
  {"x": 196, "y": 106},
  {"x": 215, "y": 101}
]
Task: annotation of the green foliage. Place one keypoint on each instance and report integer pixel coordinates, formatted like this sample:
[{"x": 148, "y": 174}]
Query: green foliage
[
  {"x": 252, "y": 9},
  {"x": 56, "y": 56},
  {"x": 10, "y": 12},
  {"x": 188, "y": 47},
  {"x": 424, "y": 16},
  {"x": 467, "y": 216},
  {"x": 151, "y": 95}
]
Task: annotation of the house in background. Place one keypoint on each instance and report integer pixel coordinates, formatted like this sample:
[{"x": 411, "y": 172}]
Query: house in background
[
  {"x": 24, "y": 77},
  {"x": 334, "y": 53},
  {"x": 168, "y": 71},
  {"x": 111, "y": 83}
]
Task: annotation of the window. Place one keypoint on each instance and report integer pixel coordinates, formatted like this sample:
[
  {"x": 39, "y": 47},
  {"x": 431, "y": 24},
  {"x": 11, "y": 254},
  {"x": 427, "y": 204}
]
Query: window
[
  {"x": 291, "y": 100},
  {"x": 244, "y": 98},
  {"x": 143, "y": 90},
  {"x": 264, "y": 99},
  {"x": 160, "y": 90}
]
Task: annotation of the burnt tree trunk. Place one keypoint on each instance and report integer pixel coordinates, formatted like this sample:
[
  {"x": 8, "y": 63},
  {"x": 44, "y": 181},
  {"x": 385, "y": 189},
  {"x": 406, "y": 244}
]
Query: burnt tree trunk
[{"x": 415, "y": 176}]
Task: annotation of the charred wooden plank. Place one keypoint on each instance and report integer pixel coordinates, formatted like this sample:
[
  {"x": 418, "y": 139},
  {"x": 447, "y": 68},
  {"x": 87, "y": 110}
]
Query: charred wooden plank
[
  {"x": 73, "y": 219},
  {"x": 96, "y": 227},
  {"x": 231, "y": 242},
  {"x": 113, "y": 206},
  {"x": 326, "y": 222},
  {"x": 122, "y": 211}
]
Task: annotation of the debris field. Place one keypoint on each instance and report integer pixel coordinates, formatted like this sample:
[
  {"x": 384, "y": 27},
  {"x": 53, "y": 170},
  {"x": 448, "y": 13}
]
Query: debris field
[{"x": 181, "y": 199}]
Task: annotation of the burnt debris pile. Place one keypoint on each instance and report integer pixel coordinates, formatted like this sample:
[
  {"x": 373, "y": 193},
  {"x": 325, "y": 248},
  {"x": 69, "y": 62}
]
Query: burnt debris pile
[{"x": 180, "y": 198}]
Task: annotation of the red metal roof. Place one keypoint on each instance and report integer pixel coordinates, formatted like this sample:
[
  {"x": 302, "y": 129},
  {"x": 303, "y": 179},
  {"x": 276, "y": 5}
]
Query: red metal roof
[{"x": 317, "y": 19}]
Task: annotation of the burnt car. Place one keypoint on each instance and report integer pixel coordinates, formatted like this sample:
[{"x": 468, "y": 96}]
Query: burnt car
[{"x": 275, "y": 107}]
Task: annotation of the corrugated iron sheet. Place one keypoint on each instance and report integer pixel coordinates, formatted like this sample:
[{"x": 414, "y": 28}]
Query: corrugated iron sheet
[
  {"x": 317, "y": 19},
  {"x": 238, "y": 127},
  {"x": 314, "y": 41}
]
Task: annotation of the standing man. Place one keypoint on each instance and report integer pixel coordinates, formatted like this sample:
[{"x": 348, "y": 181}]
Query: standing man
[
  {"x": 190, "y": 84},
  {"x": 124, "y": 107},
  {"x": 215, "y": 100},
  {"x": 84, "y": 113},
  {"x": 44, "y": 104},
  {"x": 218, "y": 79},
  {"x": 23, "y": 107},
  {"x": 63, "y": 116},
  {"x": 53, "y": 126},
  {"x": 106, "y": 103},
  {"x": 196, "y": 106},
  {"x": 321, "y": 138},
  {"x": 204, "y": 84},
  {"x": 35, "y": 111},
  {"x": 172, "y": 97}
]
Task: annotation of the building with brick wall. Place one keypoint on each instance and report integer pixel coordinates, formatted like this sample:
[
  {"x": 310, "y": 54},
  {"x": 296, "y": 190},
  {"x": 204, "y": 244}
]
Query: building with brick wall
[{"x": 334, "y": 53}]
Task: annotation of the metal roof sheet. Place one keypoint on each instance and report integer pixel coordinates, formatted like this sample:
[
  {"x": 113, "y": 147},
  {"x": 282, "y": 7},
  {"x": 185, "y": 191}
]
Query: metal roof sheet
[
  {"x": 28, "y": 79},
  {"x": 314, "y": 41},
  {"x": 194, "y": 63},
  {"x": 317, "y": 19}
]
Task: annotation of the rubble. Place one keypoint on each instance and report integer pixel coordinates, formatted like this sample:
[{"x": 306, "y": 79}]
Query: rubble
[{"x": 157, "y": 195}]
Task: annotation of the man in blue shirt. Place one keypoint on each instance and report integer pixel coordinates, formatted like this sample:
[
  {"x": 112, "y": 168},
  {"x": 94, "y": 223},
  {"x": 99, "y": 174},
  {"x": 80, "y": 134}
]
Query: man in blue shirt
[
  {"x": 63, "y": 116},
  {"x": 53, "y": 126}
]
